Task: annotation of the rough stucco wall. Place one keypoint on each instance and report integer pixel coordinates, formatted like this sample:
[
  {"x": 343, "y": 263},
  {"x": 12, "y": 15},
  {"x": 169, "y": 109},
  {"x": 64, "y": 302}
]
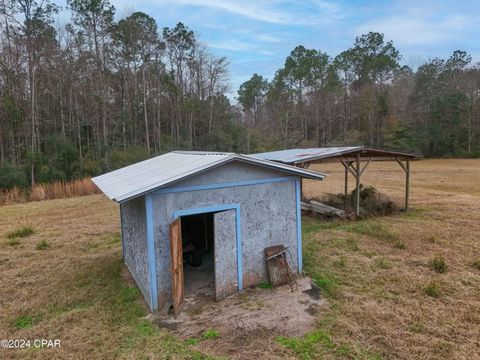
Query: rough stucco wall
[
  {"x": 231, "y": 172},
  {"x": 134, "y": 241},
  {"x": 268, "y": 217},
  {"x": 226, "y": 279}
]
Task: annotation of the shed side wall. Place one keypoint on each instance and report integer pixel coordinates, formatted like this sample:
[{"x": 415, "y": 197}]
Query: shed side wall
[{"x": 135, "y": 243}]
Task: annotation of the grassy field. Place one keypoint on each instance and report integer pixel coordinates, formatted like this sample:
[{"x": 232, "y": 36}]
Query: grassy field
[{"x": 405, "y": 286}]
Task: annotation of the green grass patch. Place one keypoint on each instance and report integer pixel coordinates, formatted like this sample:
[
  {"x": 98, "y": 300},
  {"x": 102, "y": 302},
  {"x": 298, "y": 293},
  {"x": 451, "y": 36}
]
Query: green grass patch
[
  {"x": 13, "y": 242},
  {"x": 313, "y": 345},
  {"x": 432, "y": 289},
  {"x": 308, "y": 346},
  {"x": 42, "y": 245},
  {"x": 327, "y": 284},
  {"x": 145, "y": 328},
  {"x": 414, "y": 214},
  {"x": 54, "y": 310},
  {"x": 383, "y": 263},
  {"x": 21, "y": 232},
  {"x": 319, "y": 344},
  {"x": 352, "y": 244},
  {"x": 312, "y": 225},
  {"x": 23, "y": 322},
  {"x": 102, "y": 285},
  {"x": 209, "y": 334},
  {"x": 26, "y": 321},
  {"x": 373, "y": 229},
  {"x": 128, "y": 294},
  {"x": 265, "y": 285},
  {"x": 192, "y": 341},
  {"x": 370, "y": 227},
  {"x": 112, "y": 239},
  {"x": 438, "y": 264}
]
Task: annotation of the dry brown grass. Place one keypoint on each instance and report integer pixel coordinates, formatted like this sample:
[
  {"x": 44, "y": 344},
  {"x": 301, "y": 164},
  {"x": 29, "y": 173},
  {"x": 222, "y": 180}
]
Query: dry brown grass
[
  {"x": 76, "y": 290},
  {"x": 55, "y": 190},
  {"x": 386, "y": 309}
]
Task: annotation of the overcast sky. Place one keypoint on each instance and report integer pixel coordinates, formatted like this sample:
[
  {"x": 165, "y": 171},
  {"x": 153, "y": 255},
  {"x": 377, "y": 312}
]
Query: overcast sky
[{"x": 256, "y": 36}]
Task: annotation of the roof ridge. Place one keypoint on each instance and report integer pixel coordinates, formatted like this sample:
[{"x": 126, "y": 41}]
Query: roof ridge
[{"x": 194, "y": 152}]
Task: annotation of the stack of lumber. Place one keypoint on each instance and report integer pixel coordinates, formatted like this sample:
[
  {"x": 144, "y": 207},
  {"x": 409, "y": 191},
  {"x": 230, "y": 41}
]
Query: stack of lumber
[{"x": 319, "y": 208}]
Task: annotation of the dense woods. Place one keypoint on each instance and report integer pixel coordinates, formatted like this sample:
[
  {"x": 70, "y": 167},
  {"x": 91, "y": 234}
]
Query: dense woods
[
  {"x": 364, "y": 96},
  {"x": 97, "y": 94},
  {"x": 100, "y": 92}
]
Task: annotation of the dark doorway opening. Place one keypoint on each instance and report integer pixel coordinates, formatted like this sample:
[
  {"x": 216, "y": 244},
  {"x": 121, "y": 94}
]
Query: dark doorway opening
[{"x": 198, "y": 254}]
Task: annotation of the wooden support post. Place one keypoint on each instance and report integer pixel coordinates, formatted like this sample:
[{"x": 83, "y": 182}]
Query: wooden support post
[
  {"x": 365, "y": 166},
  {"x": 407, "y": 184},
  {"x": 348, "y": 169},
  {"x": 346, "y": 189},
  {"x": 357, "y": 195},
  {"x": 301, "y": 189},
  {"x": 406, "y": 168}
]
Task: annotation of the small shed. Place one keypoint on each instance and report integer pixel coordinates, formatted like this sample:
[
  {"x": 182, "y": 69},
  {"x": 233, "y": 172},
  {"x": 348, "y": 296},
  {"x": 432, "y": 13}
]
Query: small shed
[{"x": 191, "y": 220}]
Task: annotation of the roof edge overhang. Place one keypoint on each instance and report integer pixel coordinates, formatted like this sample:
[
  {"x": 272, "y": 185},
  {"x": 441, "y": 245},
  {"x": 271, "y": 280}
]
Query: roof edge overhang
[
  {"x": 293, "y": 170},
  {"x": 151, "y": 187}
]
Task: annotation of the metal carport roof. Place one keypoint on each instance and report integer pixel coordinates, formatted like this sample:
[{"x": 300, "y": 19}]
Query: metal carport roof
[{"x": 300, "y": 156}]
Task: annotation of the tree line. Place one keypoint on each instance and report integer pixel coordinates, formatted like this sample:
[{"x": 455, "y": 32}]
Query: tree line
[
  {"x": 97, "y": 93},
  {"x": 364, "y": 96}
]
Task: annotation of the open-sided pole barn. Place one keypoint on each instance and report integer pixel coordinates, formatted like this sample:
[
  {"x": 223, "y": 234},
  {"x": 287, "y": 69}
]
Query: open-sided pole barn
[
  {"x": 350, "y": 157},
  {"x": 193, "y": 219}
]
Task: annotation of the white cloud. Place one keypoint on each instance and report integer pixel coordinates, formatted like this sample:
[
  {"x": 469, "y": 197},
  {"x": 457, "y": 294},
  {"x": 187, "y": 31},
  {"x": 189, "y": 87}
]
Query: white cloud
[
  {"x": 232, "y": 45},
  {"x": 421, "y": 26},
  {"x": 254, "y": 11},
  {"x": 269, "y": 11},
  {"x": 268, "y": 38},
  {"x": 267, "y": 52},
  {"x": 414, "y": 31}
]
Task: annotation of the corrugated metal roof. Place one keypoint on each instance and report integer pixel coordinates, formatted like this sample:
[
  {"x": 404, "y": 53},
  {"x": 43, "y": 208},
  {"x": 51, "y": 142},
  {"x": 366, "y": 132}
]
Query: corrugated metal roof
[
  {"x": 296, "y": 156},
  {"x": 142, "y": 177}
]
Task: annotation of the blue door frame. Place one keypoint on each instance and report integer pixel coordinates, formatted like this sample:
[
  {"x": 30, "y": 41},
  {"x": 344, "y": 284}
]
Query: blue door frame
[
  {"x": 218, "y": 208},
  {"x": 152, "y": 263}
]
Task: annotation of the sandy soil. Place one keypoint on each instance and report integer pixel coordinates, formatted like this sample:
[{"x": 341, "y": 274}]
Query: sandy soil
[{"x": 278, "y": 311}]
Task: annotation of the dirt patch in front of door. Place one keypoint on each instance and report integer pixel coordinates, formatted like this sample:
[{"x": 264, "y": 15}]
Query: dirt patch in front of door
[{"x": 248, "y": 316}]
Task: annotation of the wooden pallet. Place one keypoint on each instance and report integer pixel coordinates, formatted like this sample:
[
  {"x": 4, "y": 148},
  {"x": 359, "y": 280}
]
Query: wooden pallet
[{"x": 278, "y": 269}]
